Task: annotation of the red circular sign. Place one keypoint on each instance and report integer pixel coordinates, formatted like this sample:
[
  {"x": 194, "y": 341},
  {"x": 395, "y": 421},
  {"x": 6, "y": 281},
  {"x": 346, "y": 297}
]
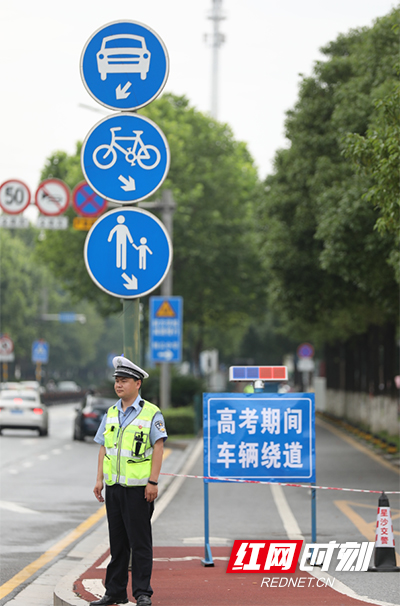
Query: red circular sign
[
  {"x": 87, "y": 202},
  {"x": 15, "y": 196},
  {"x": 52, "y": 197},
  {"x": 6, "y": 345}
]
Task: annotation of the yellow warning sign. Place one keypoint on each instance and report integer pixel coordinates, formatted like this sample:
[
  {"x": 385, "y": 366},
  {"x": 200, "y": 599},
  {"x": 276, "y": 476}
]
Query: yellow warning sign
[
  {"x": 165, "y": 310},
  {"x": 83, "y": 223}
]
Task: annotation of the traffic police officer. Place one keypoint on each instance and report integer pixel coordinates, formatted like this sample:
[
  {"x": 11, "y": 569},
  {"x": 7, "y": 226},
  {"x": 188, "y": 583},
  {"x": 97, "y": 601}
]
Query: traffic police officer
[{"x": 131, "y": 438}]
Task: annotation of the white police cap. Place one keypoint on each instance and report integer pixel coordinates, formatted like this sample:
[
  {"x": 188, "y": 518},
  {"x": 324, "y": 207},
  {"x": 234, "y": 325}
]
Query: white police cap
[{"x": 126, "y": 368}]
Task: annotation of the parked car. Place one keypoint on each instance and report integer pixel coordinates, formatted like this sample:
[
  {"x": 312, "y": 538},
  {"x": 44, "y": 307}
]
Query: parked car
[
  {"x": 32, "y": 385},
  {"x": 68, "y": 386},
  {"x": 89, "y": 415},
  {"x": 23, "y": 409},
  {"x": 10, "y": 385}
]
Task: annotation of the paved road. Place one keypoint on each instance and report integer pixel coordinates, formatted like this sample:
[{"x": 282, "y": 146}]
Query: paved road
[
  {"x": 46, "y": 489},
  {"x": 247, "y": 511}
]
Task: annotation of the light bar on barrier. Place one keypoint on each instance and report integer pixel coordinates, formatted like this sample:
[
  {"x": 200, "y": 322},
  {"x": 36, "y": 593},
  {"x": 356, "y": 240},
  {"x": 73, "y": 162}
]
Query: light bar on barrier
[{"x": 258, "y": 373}]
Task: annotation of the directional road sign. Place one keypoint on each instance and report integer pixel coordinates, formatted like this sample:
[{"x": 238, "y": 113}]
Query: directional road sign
[
  {"x": 40, "y": 352},
  {"x": 125, "y": 158},
  {"x": 52, "y": 197},
  {"x": 14, "y": 196},
  {"x": 166, "y": 329},
  {"x": 87, "y": 202},
  {"x": 128, "y": 252},
  {"x": 124, "y": 65}
]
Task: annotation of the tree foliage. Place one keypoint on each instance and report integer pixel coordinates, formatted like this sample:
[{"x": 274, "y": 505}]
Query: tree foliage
[
  {"x": 328, "y": 269},
  {"x": 28, "y": 291}
]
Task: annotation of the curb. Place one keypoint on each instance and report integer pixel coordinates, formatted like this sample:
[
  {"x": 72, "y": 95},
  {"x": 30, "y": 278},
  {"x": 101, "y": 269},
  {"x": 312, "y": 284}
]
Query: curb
[{"x": 64, "y": 594}]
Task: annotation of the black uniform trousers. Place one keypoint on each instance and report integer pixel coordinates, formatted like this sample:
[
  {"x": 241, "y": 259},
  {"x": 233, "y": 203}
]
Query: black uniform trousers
[{"x": 129, "y": 527}]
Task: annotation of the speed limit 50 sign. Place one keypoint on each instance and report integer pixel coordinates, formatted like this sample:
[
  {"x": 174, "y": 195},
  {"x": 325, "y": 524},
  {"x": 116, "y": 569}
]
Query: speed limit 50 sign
[{"x": 14, "y": 196}]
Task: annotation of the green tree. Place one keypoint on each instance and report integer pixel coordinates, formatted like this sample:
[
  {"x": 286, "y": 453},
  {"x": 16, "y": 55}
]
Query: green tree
[
  {"x": 28, "y": 290},
  {"x": 329, "y": 271},
  {"x": 376, "y": 156}
]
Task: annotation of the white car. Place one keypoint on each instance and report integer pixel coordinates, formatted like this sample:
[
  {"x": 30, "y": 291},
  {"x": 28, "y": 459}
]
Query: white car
[
  {"x": 68, "y": 386},
  {"x": 123, "y": 54},
  {"x": 23, "y": 410}
]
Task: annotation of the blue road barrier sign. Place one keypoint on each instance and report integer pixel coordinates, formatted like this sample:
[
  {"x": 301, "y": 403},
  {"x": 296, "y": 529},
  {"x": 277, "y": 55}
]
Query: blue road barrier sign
[
  {"x": 268, "y": 437},
  {"x": 166, "y": 319},
  {"x": 40, "y": 352},
  {"x": 128, "y": 252},
  {"x": 125, "y": 158},
  {"x": 124, "y": 65}
]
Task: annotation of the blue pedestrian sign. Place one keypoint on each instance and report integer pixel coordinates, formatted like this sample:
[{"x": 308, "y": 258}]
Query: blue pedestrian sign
[
  {"x": 128, "y": 252},
  {"x": 260, "y": 436},
  {"x": 166, "y": 329},
  {"x": 40, "y": 352},
  {"x": 125, "y": 158},
  {"x": 124, "y": 65}
]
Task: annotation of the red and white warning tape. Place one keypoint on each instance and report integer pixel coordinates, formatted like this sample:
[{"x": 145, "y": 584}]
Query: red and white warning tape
[{"x": 221, "y": 479}]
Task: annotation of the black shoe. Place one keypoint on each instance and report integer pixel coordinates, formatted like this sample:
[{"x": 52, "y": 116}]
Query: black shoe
[
  {"x": 143, "y": 600},
  {"x": 108, "y": 600}
]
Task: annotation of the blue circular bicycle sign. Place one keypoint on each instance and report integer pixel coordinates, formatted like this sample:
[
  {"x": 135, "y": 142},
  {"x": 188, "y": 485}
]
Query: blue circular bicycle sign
[
  {"x": 128, "y": 252},
  {"x": 125, "y": 158},
  {"x": 124, "y": 65}
]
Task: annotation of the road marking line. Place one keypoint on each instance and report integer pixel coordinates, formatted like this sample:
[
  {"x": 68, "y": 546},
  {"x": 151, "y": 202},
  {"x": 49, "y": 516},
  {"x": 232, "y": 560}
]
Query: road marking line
[
  {"x": 96, "y": 588},
  {"x": 49, "y": 555},
  {"x": 367, "y": 529},
  {"x": 293, "y": 531},
  {"x": 355, "y": 444},
  {"x": 17, "y": 508},
  {"x": 175, "y": 485},
  {"x": 288, "y": 520}
]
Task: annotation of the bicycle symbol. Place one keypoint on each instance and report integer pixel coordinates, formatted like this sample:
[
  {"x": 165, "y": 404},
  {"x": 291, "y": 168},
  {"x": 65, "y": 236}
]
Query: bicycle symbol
[{"x": 147, "y": 156}]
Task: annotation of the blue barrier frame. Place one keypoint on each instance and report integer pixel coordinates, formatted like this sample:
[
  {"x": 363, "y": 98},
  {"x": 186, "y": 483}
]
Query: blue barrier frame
[{"x": 208, "y": 559}]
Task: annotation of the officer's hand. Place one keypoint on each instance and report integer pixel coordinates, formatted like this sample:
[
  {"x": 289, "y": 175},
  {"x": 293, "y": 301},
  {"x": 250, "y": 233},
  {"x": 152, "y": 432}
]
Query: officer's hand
[
  {"x": 150, "y": 492},
  {"x": 97, "y": 491}
]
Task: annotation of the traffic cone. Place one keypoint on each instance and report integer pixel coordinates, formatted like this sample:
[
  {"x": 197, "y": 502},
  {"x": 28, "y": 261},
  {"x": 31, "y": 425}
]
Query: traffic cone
[{"x": 385, "y": 555}]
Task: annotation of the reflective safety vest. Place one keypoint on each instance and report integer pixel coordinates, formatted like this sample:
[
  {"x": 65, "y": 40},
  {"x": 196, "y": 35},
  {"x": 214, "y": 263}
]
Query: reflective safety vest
[{"x": 128, "y": 455}]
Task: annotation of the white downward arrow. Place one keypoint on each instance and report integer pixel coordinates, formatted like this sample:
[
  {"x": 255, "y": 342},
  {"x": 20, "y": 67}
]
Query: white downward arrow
[
  {"x": 131, "y": 283},
  {"x": 130, "y": 184},
  {"x": 121, "y": 93}
]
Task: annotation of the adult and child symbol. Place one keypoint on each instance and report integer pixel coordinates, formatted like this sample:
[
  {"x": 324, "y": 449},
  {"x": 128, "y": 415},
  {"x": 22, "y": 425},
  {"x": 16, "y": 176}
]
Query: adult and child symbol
[{"x": 122, "y": 233}]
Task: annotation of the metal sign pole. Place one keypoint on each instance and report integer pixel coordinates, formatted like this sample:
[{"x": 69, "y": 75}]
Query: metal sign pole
[{"x": 131, "y": 329}]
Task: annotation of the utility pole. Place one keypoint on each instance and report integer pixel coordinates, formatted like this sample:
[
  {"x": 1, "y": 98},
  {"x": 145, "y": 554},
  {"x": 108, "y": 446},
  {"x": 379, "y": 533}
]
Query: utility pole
[
  {"x": 217, "y": 39},
  {"x": 167, "y": 207}
]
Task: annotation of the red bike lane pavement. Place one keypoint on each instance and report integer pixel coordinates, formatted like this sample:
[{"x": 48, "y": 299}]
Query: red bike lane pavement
[{"x": 179, "y": 579}]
